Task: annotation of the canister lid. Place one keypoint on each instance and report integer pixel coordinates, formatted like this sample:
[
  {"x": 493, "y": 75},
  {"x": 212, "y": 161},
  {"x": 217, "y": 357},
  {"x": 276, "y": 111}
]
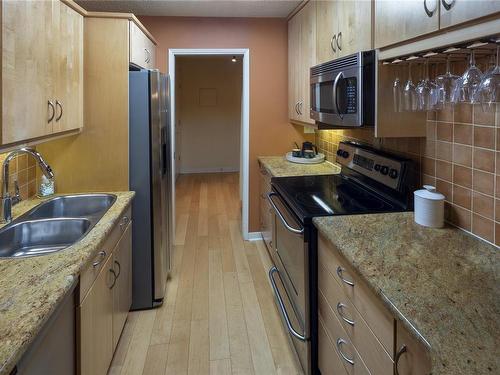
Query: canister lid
[{"x": 429, "y": 192}]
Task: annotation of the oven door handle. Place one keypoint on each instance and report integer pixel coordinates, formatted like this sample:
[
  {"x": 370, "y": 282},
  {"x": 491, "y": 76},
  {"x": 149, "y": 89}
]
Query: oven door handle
[
  {"x": 335, "y": 85},
  {"x": 282, "y": 307},
  {"x": 280, "y": 215}
]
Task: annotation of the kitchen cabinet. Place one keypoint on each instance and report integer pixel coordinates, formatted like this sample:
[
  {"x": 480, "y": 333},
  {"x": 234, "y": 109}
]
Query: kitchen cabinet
[
  {"x": 454, "y": 12},
  {"x": 266, "y": 217},
  {"x": 342, "y": 28},
  {"x": 142, "y": 49},
  {"x": 301, "y": 56},
  {"x": 105, "y": 299},
  {"x": 42, "y": 70},
  {"x": 122, "y": 290},
  {"x": 397, "y": 21},
  {"x": 412, "y": 357}
]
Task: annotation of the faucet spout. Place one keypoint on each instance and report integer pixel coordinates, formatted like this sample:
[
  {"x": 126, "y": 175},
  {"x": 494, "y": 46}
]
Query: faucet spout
[{"x": 6, "y": 199}]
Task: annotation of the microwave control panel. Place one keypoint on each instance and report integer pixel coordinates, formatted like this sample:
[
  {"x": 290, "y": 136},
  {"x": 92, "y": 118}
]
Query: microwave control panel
[{"x": 351, "y": 95}]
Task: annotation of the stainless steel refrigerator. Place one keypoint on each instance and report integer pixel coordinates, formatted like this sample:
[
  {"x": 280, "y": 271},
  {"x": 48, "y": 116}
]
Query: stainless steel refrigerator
[{"x": 150, "y": 176}]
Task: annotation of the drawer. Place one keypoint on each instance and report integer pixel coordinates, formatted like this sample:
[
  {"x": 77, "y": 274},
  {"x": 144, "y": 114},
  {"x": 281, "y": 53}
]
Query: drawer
[
  {"x": 142, "y": 49},
  {"x": 90, "y": 273},
  {"x": 368, "y": 346},
  {"x": 344, "y": 348},
  {"x": 329, "y": 362},
  {"x": 370, "y": 308}
]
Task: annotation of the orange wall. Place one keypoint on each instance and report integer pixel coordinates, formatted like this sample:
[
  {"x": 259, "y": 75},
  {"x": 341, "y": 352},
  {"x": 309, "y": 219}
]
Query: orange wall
[{"x": 270, "y": 131}]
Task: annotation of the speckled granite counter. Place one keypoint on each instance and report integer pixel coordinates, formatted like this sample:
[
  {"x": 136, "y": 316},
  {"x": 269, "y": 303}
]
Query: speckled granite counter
[
  {"x": 442, "y": 283},
  {"x": 278, "y": 166},
  {"x": 32, "y": 288}
]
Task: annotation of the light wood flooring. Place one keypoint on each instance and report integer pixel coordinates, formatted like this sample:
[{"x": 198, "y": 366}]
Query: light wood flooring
[{"x": 219, "y": 316}]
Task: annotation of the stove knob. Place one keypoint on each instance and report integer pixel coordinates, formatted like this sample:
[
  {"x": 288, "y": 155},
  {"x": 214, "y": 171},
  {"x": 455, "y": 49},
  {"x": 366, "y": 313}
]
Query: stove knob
[
  {"x": 377, "y": 167},
  {"x": 393, "y": 173},
  {"x": 345, "y": 154},
  {"x": 339, "y": 152},
  {"x": 384, "y": 170}
]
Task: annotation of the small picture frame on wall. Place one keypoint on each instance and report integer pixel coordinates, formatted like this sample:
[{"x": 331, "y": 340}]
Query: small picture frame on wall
[{"x": 208, "y": 97}]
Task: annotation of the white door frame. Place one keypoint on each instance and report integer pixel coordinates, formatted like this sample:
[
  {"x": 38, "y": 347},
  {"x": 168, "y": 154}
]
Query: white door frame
[{"x": 245, "y": 121}]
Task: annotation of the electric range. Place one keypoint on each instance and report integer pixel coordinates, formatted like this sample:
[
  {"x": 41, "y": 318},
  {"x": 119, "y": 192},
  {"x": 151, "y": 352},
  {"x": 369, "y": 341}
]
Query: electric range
[{"x": 370, "y": 181}]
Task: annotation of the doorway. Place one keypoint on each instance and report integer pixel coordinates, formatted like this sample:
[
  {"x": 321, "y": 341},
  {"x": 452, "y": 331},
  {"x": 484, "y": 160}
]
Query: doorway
[{"x": 201, "y": 124}]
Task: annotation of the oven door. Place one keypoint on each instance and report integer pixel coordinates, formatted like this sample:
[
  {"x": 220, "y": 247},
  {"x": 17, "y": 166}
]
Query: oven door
[
  {"x": 336, "y": 97},
  {"x": 290, "y": 278}
]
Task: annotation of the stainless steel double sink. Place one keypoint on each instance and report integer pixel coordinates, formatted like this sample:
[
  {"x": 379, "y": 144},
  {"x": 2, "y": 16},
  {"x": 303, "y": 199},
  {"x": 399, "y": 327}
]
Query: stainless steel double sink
[{"x": 53, "y": 225}]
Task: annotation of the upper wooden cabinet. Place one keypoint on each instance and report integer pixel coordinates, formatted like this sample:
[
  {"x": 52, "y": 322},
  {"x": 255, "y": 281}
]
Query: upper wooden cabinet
[
  {"x": 42, "y": 69},
  {"x": 301, "y": 56},
  {"x": 142, "y": 49},
  {"x": 454, "y": 12},
  {"x": 397, "y": 21},
  {"x": 342, "y": 28}
]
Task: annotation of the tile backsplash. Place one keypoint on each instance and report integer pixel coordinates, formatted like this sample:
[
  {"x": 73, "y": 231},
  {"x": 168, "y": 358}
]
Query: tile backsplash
[
  {"x": 460, "y": 155},
  {"x": 23, "y": 170}
]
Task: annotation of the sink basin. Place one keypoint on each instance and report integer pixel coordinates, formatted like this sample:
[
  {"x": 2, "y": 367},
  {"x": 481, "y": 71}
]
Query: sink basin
[
  {"x": 38, "y": 237},
  {"x": 82, "y": 205}
]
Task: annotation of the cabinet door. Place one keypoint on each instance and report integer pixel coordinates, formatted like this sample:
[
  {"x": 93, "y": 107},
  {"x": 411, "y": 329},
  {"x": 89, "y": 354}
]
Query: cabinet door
[
  {"x": 265, "y": 213},
  {"x": 141, "y": 48},
  {"x": 326, "y": 31},
  {"x": 27, "y": 68},
  {"x": 414, "y": 358},
  {"x": 294, "y": 56},
  {"x": 308, "y": 58},
  {"x": 354, "y": 20},
  {"x": 454, "y": 12},
  {"x": 122, "y": 290},
  {"x": 397, "y": 21},
  {"x": 68, "y": 54},
  {"x": 96, "y": 325}
]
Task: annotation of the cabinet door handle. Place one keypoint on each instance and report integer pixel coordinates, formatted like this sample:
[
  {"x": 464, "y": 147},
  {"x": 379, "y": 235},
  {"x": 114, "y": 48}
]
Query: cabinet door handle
[
  {"x": 52, "y": 110},
  {"x": 401, "y": 351},
  {"x": 300, "y": 107},
  {"x": 59, "y": 104},
  {"x": 448, "y": 4},
  {"x": 340, "y": 307},
  {"x": 340, "y": 342},
  {"x": 119, "y": 268},
  {"x": 102, "y": 255},
  {"x": 332, "y": 44},
  {"x": 114, "y": 278},
  {"x": 339, "y": 41},
  {"x": 124, "y": 222},
  {"x": 340, "y": 270},
  {"x": 430, "y": 7}
]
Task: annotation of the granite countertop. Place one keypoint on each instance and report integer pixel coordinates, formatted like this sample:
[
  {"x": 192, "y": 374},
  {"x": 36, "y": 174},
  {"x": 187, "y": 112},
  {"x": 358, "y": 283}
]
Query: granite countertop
[
  {"x": 443, "y": 284},
  {"x": 278, "y": 166},
  {"x": 32, "y": 288}
]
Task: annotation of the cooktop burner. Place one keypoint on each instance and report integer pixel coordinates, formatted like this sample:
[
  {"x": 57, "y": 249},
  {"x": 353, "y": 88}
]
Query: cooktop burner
[{"x": 311, "y": 196}]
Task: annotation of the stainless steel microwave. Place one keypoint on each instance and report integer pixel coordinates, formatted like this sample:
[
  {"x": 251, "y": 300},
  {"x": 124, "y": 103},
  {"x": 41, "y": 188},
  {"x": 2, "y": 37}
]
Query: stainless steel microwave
[{"x": 343, "y": 91}]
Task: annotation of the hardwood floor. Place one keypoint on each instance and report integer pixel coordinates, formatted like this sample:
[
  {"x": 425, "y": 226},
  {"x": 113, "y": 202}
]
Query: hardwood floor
[{"x": 219, "y": 315}]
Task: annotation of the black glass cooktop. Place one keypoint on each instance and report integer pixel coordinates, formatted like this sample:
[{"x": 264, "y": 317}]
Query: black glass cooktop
[{"x": 311, "y": 196}]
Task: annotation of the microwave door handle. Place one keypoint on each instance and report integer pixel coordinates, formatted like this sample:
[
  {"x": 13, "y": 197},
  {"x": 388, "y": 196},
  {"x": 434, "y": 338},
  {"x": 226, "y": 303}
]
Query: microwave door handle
[
  {"x": 335, "y": 85},
  {"x": 280, "y": 215}
]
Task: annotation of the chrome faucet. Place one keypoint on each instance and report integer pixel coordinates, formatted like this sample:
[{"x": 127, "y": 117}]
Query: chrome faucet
[{"x": 7, "y": 201}]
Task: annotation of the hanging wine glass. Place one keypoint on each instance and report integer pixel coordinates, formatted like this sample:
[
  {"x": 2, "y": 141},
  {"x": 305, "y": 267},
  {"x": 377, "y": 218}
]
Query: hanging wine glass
[
  {"x": 409, "y": 93},
  {"x": 488, "y": 90},
  {"x": 446, "y": 85},
  {"x": 467, "y": 84},
  {"x": 424, "y": 91},
  {"x": 397, "y": 93}
]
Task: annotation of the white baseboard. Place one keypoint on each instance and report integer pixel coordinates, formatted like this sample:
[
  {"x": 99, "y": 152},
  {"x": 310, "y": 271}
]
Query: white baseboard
[
  {"x": 254, "y": 236},
  {"x": 208, "y": 170}
]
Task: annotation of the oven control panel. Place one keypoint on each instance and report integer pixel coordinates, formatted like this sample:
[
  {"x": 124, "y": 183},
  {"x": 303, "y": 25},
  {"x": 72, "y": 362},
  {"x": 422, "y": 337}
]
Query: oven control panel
[{"x": 371, "y": 163}]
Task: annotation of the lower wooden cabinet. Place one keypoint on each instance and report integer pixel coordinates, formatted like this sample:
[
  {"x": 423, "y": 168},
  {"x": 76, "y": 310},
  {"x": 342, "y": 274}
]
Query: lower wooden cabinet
[
  {"x": 103, "y": 311},
  {"x": 412, "y": 357},
  {"x": 266, "y": 217}
]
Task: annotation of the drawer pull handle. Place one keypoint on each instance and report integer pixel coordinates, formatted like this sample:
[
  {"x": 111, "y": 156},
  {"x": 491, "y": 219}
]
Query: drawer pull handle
[
  {"x": 340, "y": 342},
  {"x": 401, "y": 351},
  {"x": 340, "y": 307},
  {"x": 124, "y": 222},
  {"x": 102, "y": 255},
  {"x": 340, "y": 270},
  {"x": 119, "y": 268},
  {"x": 114, "y": 278}
]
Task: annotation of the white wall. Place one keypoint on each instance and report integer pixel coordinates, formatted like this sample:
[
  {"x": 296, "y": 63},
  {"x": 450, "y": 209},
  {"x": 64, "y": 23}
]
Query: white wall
[{"x": 209, "y": 138}]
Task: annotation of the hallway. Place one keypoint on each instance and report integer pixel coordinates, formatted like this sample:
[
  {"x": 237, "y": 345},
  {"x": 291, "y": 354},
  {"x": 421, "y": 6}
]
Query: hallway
[{"x": 219, "y": 316}]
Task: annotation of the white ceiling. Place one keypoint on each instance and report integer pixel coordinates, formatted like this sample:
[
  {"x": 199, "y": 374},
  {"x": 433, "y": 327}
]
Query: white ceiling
[{"x": 195, "y": 8}]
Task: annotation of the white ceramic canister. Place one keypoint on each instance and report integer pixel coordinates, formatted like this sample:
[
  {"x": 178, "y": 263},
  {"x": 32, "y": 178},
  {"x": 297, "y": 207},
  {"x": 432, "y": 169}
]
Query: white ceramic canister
[{"x": 429, "y": 207}]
